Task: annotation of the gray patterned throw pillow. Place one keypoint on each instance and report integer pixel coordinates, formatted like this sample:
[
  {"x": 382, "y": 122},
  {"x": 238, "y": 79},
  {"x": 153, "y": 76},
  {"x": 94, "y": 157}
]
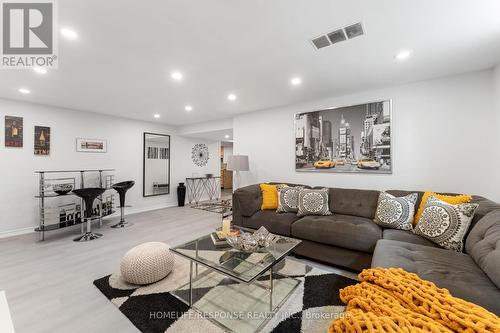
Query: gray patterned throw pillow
[
  {"x": 396, "y": 213},
  {"x": 313, "y": 202},
  {"x": 445, "y": 224},
  {"x": 288, "y": 199}
]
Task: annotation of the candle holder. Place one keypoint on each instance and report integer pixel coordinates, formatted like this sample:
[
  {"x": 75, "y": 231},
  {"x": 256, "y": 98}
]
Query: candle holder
[{"x": 226, "y": 225}]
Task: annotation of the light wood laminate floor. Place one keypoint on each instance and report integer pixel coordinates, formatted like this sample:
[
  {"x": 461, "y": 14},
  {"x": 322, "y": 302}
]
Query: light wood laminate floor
[{"x": 49, "y": 284}]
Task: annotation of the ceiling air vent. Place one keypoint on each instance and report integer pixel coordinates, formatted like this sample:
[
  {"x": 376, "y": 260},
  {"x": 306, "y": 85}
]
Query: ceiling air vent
[
  {"x": 338, "y": 35},
  {"x": 321, "y": 42},
  {"x": 354, "y": 30}
]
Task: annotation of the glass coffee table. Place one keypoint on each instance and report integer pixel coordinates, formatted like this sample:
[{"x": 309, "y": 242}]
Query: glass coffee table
[{"x": 236, "y": 290}]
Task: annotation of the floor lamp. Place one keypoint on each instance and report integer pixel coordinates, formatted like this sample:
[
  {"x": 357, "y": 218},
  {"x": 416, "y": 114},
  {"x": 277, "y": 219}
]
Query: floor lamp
[{"x": 237, "y": 163}]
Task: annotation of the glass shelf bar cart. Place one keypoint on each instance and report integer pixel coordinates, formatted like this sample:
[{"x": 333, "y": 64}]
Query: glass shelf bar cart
[{"x": 58, "y": 211}]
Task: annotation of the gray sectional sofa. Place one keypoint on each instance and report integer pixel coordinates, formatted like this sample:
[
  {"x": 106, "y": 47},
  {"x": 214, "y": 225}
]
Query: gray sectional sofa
[{"x": 349, "y": 238}]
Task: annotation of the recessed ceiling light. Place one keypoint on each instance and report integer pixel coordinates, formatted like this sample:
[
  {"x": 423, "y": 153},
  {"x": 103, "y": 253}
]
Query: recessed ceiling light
[
  {"x": 231, "y": 97},
  {"x": 156, "y": 115},
  {"x": 296, "y": 81},
  {"x": 24, "y": 91},
  {"x": 402, "y": 55},
  {"x": 40, "y": 70},
  {"x": 176, "y": 75},
  {"x": 68, "y": 33},
  {"x": 226, "y": 136},
  {"x": 188, "y": 108}
]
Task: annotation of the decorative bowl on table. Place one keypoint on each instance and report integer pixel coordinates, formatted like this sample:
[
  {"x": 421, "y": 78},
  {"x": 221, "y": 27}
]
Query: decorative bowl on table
[
  {"x": 62, "y": 189},
  {"x": 248, "y": 242}
]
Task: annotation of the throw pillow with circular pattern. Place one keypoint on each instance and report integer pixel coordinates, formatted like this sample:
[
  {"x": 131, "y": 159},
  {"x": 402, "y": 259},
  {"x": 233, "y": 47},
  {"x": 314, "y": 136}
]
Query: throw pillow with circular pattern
[
  {"x": 445, "y": 224},
  {"x": 288, "y": 199},
  {"x": 395, "y": 213},
  {"x": 313, "y": 202}
]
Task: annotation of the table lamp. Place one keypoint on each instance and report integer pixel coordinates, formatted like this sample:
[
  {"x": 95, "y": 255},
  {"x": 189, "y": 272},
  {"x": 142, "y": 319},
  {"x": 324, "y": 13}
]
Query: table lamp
[{"x": 237, "y": 163}]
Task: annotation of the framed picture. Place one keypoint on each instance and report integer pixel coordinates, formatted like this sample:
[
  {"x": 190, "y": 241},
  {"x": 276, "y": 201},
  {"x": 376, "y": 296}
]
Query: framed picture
[
  {"x": 351, "y": 139},
  {"x": 42, "y": 140},
  {"x": 13, "y": 132},
  {"x": 91, "y": 145}
]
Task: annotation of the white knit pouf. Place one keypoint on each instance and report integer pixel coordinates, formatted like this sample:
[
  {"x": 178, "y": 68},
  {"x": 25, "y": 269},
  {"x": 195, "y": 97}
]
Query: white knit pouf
[{"x": 147, "y": 263}]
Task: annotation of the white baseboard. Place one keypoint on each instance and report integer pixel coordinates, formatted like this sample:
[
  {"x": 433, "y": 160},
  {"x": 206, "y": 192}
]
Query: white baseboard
[
  {"x": 129, "y": 211},
  {"x": 17, "y": 232}
]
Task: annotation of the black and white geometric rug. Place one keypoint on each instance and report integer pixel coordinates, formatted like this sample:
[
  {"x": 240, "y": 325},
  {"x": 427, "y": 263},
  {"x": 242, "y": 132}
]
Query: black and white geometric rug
[
  {"x": 223, "y": 207},
  {"x": 153, "y": 309}
]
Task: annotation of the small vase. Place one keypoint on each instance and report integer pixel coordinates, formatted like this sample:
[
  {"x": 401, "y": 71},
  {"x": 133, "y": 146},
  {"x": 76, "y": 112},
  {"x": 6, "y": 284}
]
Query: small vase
[{"x": 181, "y": 194}]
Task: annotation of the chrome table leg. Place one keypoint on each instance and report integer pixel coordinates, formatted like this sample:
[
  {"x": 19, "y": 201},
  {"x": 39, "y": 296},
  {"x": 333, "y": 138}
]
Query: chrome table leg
[
  {"x": 196, "y": 265},
  {"x": 271, "y": 290},
  {"x": 191, "y": 284}
]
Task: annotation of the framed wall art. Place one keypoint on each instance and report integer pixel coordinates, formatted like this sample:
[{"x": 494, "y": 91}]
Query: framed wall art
[
  {"x": 91, "y": 145},
  {"x": 41, "y": 141},
  {"x": 13, "y": 132},
  {"x": 352, "y": 139}
]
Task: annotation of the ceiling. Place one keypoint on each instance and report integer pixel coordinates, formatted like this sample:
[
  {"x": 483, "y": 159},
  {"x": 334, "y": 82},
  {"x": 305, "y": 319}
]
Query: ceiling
[{"x": 126, "y": 50}]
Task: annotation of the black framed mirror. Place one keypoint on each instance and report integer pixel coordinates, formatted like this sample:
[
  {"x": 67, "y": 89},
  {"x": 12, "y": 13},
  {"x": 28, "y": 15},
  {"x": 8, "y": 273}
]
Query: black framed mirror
[{"x": 156, "y": 164}]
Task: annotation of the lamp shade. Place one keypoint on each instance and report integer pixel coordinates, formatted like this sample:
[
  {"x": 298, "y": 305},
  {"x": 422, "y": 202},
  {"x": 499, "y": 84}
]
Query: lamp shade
[{"x": 238, "y": 163}]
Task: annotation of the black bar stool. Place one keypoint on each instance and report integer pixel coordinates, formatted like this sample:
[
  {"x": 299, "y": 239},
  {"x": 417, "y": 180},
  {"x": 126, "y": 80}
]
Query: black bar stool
[
  {"x": 122, "y": 188},
  {"x": 88, "y": 195}
]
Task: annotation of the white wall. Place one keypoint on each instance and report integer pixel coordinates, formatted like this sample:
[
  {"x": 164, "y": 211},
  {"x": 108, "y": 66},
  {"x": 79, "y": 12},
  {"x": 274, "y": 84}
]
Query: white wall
[
  {"x": 496, "y": 92},
  {"x": 207, "y": 127},
  {"x": 444, "y": 138},
  {"x": 496, "y": 81},
  {"x": 228, "y": 151},
  {"x": 18, "y": 208}
]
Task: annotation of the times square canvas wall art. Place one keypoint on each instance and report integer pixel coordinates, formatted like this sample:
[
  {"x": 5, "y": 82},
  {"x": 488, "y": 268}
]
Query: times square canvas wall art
[{"x": 351, "y": 139}]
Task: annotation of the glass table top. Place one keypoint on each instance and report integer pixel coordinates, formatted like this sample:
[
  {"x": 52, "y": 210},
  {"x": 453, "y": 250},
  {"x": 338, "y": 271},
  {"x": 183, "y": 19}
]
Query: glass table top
[
  {"x": 242, "y": 266},
  {"x": 237, "y": 307}
]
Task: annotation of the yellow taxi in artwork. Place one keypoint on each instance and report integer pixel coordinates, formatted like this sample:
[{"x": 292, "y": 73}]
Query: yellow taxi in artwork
[
  {"x": 368, "y": 163},
  {"x": 324, "y": 163}
]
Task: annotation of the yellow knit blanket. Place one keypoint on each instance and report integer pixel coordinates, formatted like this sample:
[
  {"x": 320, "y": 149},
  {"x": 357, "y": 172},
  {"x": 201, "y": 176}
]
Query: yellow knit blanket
[{"x": 393, "y": 300}]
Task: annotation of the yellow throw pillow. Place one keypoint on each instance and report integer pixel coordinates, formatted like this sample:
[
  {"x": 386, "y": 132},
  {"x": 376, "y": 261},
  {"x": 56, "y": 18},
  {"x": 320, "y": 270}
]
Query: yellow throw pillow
[
  {"x": 269, "y": 196},
  {"x": 451, "y": 199}
]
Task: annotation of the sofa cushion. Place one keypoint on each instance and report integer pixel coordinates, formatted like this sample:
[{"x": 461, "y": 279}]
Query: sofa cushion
[
  {"x": 277, "y": 223},
  {"x": 447, "y": 269},
  {"x": 485, "y": 207},
  {"x": 350, "y": 232},
  {"x": 338, "y": 256},
  {"x": 354, "y": 202},
  {"x": 483, "y": 245},
  {"x": 407, "y": 236}
]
